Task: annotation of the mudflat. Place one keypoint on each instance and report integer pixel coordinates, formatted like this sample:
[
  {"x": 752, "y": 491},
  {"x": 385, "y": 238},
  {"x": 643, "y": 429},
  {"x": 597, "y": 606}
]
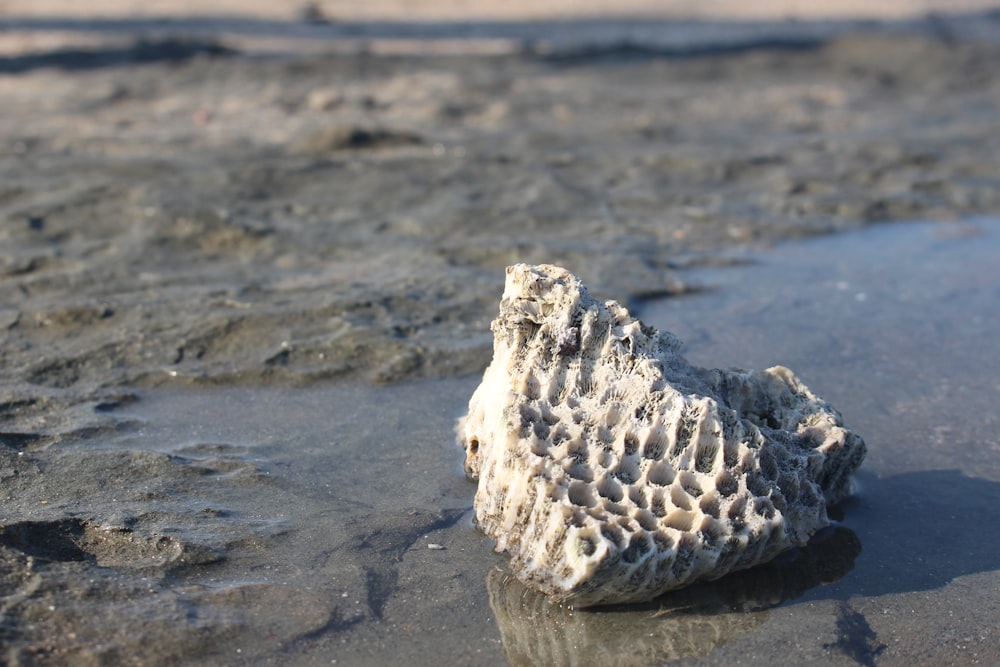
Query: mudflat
[{"x": 243, "y": 258}]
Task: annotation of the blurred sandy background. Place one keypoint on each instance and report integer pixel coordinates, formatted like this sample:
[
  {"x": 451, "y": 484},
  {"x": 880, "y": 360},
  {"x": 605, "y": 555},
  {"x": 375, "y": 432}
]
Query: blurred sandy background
[
  {"x": 28, "y": 26},
  {"x": 484, "y": 9}
]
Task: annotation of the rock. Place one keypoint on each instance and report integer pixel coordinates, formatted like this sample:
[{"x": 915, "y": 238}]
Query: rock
[{"x": 612, "y": 470}]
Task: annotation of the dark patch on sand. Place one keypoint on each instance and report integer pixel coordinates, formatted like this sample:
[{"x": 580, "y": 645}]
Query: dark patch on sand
[
  {"x": 79, "y": 540},
  {"x": 334, "y": 139},
  {"x": 856, "y": 639},
  {"x": 626, "y": 50},
  {"x": 140, "y": 52},
  {"x": 383, "y": 543}
]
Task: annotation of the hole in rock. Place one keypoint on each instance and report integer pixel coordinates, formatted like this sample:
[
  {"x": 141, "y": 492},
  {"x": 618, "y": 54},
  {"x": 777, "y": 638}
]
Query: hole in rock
[
  {"x": 660, "y": 474},
  {"x": 646, "y": 519},
  {"x": 582, "y": 494},
  {"x": 680, "y": 520},
  {"x": 610, "y": 489}
]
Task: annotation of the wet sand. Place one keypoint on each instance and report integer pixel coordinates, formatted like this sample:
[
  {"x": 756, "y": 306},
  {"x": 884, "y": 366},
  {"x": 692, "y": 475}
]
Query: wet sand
[
  {"x": 302, "y": 526},
  {"x": 245, "y": 289}
]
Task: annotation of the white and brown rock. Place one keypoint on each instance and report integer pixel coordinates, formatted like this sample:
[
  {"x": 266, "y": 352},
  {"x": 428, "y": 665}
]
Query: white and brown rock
[{"x": 612, "y": 470}]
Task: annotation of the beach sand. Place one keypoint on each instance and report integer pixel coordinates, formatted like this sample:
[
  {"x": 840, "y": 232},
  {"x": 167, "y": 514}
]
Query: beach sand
[{"x": 248, "y": 265}]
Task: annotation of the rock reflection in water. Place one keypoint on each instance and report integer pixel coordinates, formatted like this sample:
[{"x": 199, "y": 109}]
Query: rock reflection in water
[{"x": 690, "y": 622}]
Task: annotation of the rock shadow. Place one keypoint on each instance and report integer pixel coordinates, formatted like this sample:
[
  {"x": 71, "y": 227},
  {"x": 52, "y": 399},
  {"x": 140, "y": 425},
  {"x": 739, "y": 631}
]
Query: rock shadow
[{"x": 923, "y": 529}]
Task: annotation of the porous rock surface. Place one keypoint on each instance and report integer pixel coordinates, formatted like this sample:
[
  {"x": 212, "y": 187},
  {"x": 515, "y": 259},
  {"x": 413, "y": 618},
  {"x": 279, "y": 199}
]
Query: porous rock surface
[{"x": 612, "y": 470}]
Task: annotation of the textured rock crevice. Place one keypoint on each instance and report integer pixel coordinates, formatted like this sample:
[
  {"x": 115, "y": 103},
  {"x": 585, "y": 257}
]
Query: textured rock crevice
[{"x": 612, "y": 470}]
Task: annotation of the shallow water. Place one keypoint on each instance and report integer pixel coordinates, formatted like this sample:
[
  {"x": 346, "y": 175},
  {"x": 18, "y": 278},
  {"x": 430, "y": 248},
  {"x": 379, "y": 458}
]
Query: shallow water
[{"x": 332, "y": 525}]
